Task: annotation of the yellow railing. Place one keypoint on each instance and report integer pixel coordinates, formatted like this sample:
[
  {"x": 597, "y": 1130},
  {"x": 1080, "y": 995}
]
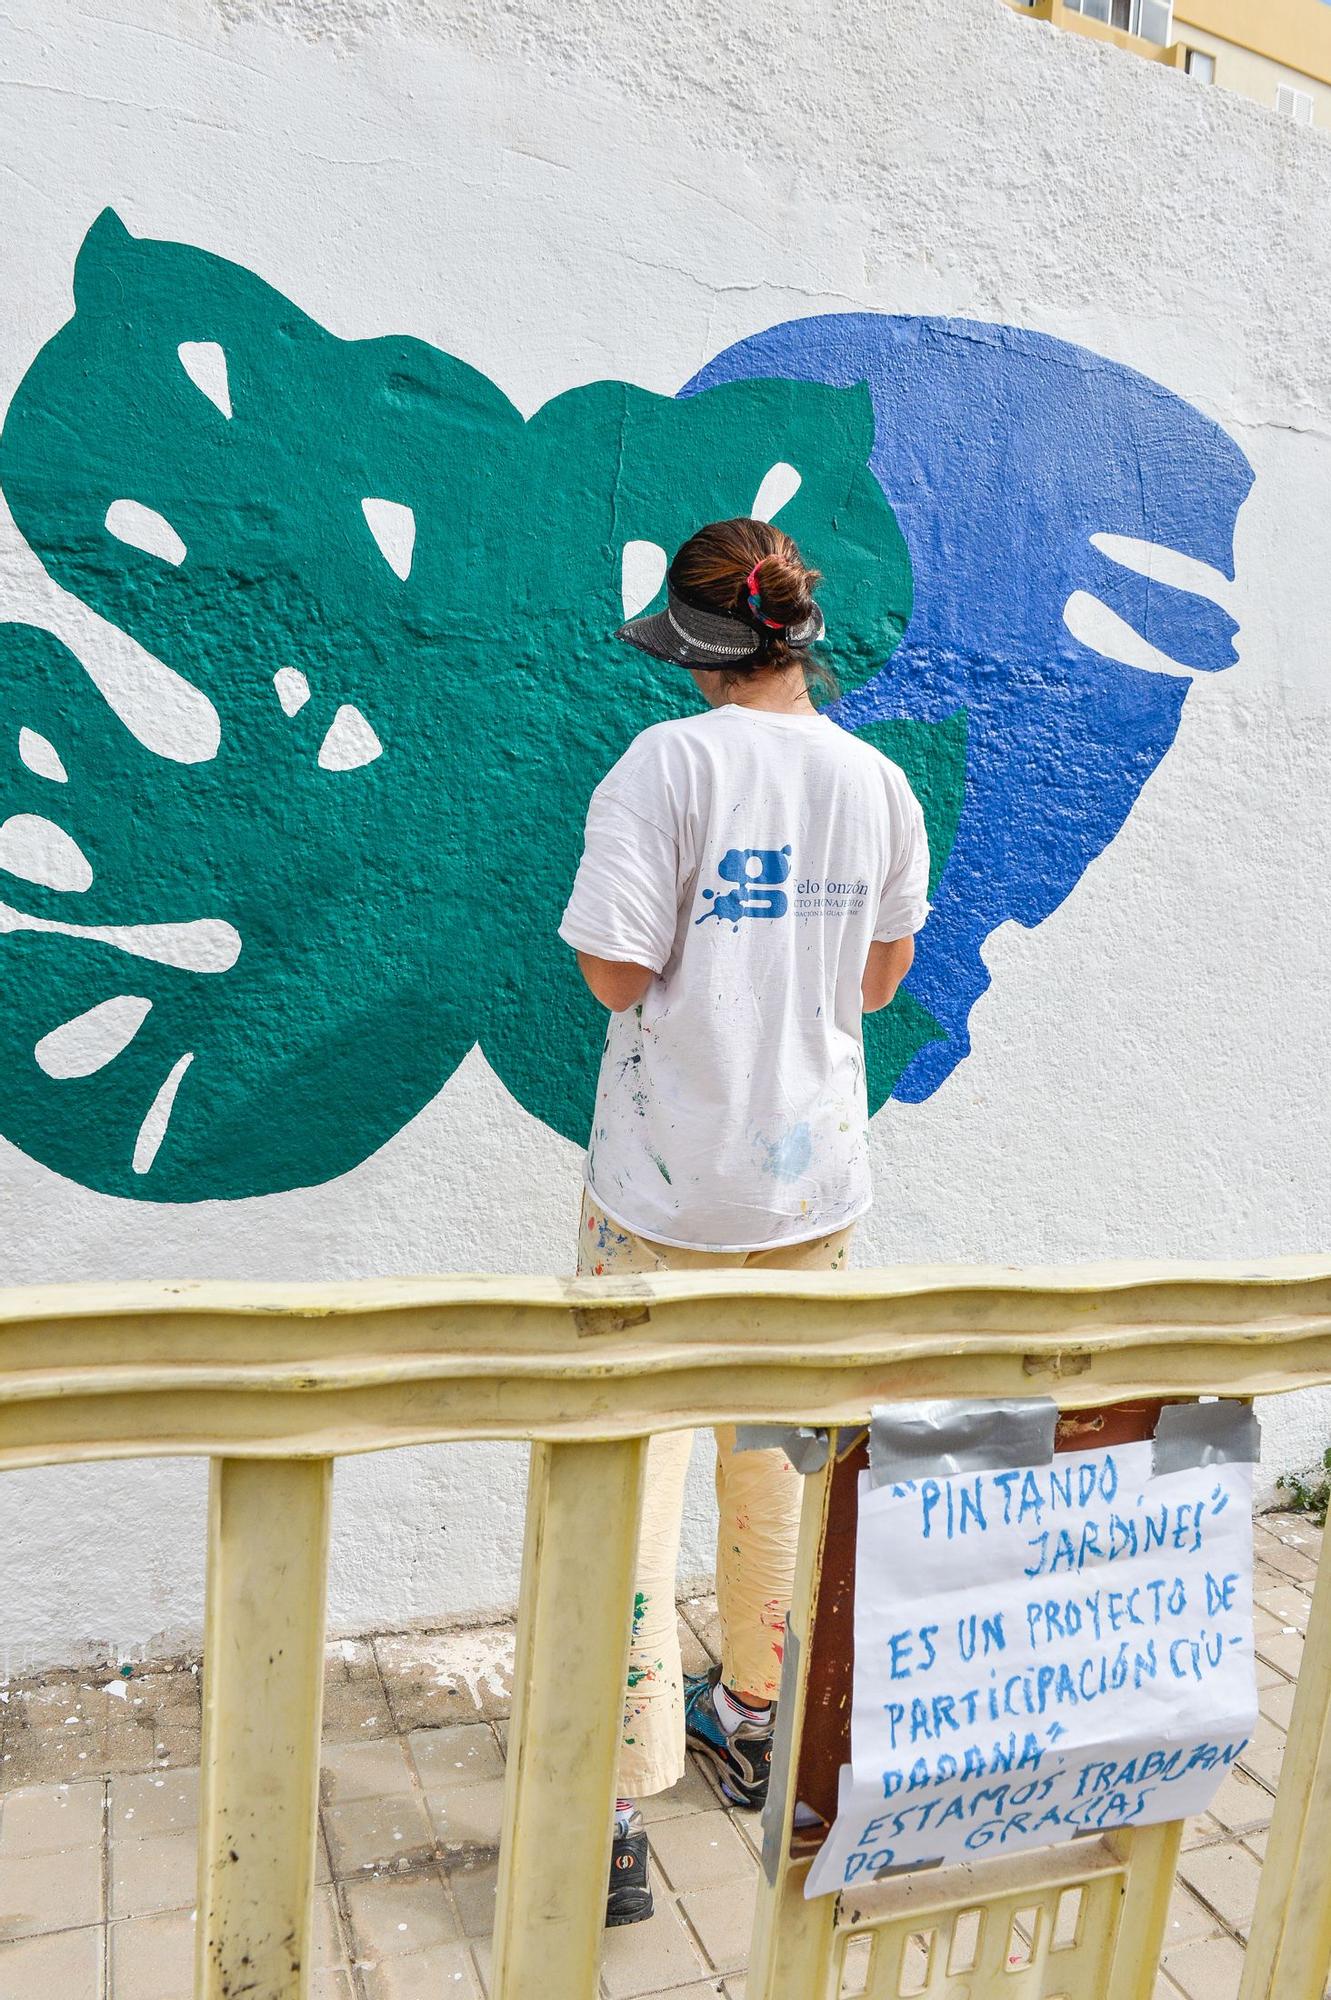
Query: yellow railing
[{"x": 274, "y": 1382}]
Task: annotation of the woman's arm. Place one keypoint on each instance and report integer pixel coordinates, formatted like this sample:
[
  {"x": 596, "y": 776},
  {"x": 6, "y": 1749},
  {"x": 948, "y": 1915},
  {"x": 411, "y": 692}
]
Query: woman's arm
[
  {"x": 614, "y": 984},
  {"x": 885, "y": 968}
]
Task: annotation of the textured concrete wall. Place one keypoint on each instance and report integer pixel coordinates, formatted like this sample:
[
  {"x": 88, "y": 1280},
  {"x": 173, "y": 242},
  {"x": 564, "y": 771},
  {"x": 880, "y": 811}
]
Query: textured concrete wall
[{"x": 1119, "y": 1028}]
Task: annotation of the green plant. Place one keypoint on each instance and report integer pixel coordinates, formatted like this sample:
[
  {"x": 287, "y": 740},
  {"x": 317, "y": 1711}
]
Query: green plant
[{"x": 1309, "y": 1493}]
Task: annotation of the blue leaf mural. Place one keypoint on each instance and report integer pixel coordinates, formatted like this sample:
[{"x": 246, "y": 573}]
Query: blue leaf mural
[{"x": 1002, "y": 453}]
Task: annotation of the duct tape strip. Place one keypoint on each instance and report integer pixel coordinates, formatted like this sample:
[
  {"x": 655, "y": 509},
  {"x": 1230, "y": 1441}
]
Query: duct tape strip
[
  {"x": 942, "y": 1438},
  {"x": 806, "y": 1449},
  {"x": 783, "y": 1758},
  {"x": 908, "y": 1868},
  {"x": 1188, "y": 1434}
]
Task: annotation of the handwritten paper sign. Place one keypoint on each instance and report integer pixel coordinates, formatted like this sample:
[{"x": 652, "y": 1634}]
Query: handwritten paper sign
[{"x": 1042, "y": 1652}]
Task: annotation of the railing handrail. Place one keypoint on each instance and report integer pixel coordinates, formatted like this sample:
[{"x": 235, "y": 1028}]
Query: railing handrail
[{"x": 264, "y": 1370}]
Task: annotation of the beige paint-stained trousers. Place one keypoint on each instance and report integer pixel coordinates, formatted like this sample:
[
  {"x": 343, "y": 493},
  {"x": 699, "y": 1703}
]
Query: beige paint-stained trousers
[{"x": 758, "y": 1495}]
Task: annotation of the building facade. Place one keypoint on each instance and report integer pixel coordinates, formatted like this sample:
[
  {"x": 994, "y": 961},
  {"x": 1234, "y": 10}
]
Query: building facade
[{"x": 1277, "y": 52}]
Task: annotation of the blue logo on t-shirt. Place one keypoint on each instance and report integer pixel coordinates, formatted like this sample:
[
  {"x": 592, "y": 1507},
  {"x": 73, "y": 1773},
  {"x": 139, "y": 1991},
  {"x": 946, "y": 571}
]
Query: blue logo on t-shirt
[{"x": 753, "y": 868}]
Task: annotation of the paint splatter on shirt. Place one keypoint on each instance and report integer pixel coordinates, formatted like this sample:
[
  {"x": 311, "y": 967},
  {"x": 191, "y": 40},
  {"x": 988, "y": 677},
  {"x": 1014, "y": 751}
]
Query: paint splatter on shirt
[{"x": 749, "y": 859}]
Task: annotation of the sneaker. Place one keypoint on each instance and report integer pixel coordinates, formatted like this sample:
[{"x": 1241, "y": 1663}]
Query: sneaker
[
  {"x": 742, "y": 1757},
  {"x": 630, "y": 1897}
]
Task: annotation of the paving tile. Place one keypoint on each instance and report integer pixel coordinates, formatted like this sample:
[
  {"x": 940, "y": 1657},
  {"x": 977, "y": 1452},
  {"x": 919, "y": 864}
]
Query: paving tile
[
  {"x": 691, "y": 1794},
  {"x": 332, "y": 1986},
  {"x": 434, "y": 1678},
  {"x": 56, "y": 1753},
  {"x": 154, "y": 1802},
  {"x": 474, "y": 1883},
  {"x": 355, "y": 1711},
  {"x": 329, "y": 1952},
  {"x": 171, "y": 1692},
  {"x": 1256, "y": 1842},
  {"x": 1288, "y": 1559},
  {"x": 350, "y": 1661},
  {"x": 1277, "y": 1703},
  {"x": 701, "y": 1850},
  {"x": 176, "y": 1744},
  {"x": 154, "y": 1874},
  {"x": 1207, "y": 1970},
  {"x": 1241, "y": 1803},
  {"x": 378, "y": 1833},
  {"x": 66, "y": 1965},
  {"x": 50, "y": 1892},
  {"x": 1289, "y": 1527},
  {"x": 706, "y": 1990},
  {"x": 1265, "y": 1752},
  {"x": 461, "y": 1755},
  {"x": 694, "y": 1656},
  {"x": 1197, "y": 1832},
  {"x": 152, "y": 1958},
  {"x": 467, "y": 1818},
  {"x": 445, "y": 1972},
  {"x": 1186, "y": 1919},
  {"x": 368, "y": 1770},
  {"x": 749, "y": 1827},
  {"x": 1287, "y": 1604},
  {"x": 43, "y": 1819},
  {"x": 723, "y": 1920},
  {"x": 46, "y": 1701},
  {"x": 390, "y": 1915},
  {"x": 703, "y": 1618},
  {"x": 650, "y": 1957},
  {"x": 1283, "y": 1650},
  {"x": 1225, "y": 1877}
]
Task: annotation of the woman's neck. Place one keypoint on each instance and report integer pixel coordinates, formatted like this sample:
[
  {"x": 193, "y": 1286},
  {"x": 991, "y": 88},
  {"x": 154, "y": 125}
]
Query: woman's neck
[{"x": 781, "y": 690}]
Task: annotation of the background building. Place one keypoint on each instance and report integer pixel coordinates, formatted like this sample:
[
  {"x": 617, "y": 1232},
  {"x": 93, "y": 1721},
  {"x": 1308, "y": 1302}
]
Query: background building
[{"x": 1275, "y": 51}]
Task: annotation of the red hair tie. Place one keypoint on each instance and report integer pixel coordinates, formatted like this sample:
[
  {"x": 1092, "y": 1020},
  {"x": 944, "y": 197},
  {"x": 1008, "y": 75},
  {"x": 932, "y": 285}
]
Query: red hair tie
[{"x": 756, "y": 598}]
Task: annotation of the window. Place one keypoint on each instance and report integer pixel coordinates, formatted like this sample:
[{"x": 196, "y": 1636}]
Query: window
[
  {"x": 1296, "y": 104},
  {"x": 1151, "y": 19},
  {"x": 1201, "y": 64}
]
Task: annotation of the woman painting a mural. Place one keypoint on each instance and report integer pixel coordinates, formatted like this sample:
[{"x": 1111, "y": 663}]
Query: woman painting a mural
[{"x": 751, "y": 883}]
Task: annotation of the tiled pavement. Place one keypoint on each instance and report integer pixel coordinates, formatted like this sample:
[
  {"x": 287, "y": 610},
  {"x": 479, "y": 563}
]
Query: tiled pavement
[{"x": 99, "y": 1791}]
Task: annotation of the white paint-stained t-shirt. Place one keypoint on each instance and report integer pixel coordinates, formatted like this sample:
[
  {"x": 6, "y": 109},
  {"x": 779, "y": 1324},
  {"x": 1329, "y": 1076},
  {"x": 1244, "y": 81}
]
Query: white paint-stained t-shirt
[{"x": 749, "y": 858}]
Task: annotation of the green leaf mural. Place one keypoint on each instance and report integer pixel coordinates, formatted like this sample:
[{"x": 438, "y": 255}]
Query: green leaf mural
[{"x": 311, "y": 940}]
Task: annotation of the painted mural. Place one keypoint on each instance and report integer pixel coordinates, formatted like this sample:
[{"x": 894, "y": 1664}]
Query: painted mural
[{"x": 242, "y": 966}]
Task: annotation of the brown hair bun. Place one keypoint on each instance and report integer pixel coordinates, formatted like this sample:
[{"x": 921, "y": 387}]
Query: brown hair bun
[
  {"x": 785, "y": 586},
  {"x": 714, "y": 566}
]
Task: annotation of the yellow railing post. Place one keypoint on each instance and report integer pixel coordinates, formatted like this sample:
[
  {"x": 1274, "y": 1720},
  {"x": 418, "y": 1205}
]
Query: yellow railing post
[
  {"x": 791, "y": 1952},
  {"x": 262, "y": 1711},
  {"x": 1289, "y": 1948},
  {"x": 1151, "y": 1854},
  {"x": 568, "y": 1703}
]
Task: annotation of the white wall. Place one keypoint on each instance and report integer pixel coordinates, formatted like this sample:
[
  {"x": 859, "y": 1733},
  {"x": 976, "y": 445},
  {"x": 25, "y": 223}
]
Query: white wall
[{"x": 556, "y": 194}]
